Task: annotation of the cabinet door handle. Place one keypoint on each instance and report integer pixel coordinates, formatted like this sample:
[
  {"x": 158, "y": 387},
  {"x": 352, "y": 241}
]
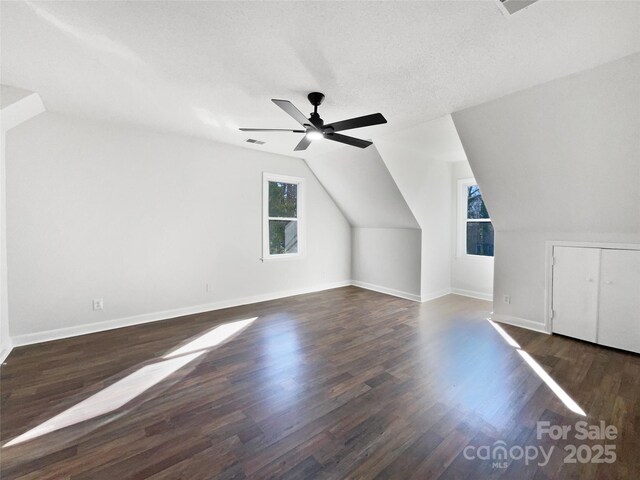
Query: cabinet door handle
[
  {"x": 609, "y": 282},
  {"x": 589, "y": 279}
]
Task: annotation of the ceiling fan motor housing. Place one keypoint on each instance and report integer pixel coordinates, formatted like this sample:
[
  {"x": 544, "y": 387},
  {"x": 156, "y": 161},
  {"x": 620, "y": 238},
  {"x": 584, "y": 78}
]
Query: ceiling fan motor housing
[
  {"x": 316, "y": 98},
  {"x": 316, "y": 120}
]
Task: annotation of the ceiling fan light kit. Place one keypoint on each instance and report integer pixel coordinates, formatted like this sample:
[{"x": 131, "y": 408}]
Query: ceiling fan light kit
[
  {"x": 314, "y": 127},
  {"x": 315, "y": 135}
]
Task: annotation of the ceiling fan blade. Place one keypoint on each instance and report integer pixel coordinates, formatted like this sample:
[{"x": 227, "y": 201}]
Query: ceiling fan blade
[
  {"x": 271, "y": 130},
  {"x": 297, "y": 115},
  {"x": 356, "y": 142},
  {"x": 304, "y": 143},
  {"x": 366, "y": 121}
]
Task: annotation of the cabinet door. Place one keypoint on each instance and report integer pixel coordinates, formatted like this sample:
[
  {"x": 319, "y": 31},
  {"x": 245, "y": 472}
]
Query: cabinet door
[
  {"x": 575, "y": 292},
  {"x": 619, "y": 312}
]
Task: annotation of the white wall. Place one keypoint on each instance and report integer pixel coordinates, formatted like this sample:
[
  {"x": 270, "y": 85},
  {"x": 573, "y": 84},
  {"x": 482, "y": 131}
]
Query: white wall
[
  {"x": 16, "y": 106},
  {"x": 385, "y": 236},
  {"x": 470, "y": 274},
  {"x": 405, "y": 180},
  {"x": 387, "y": 260},
  {"x": 145, "y": 221},
  {"x": 419, "y": 160},
  {"x": 560, "y": 161},
  {"x": 5, "y": 341}
]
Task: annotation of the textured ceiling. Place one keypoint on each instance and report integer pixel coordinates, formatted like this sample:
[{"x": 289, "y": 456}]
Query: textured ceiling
[{"x": 205, "y": 68}]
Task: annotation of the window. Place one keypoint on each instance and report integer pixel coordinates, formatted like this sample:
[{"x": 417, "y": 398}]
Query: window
[
  {"x": 282, "y": 216},
  {"x": 475, "y": 231}
]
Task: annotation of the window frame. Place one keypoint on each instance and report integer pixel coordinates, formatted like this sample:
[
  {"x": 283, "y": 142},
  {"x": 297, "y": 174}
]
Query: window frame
[
  {"x": 463, "y": 185},
  {"x": 272, "y": 177}
]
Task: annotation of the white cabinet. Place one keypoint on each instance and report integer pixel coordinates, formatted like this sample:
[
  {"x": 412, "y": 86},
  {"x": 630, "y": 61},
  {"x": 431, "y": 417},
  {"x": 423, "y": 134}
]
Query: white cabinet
[
  {"x": 619, "y": 309},
  {"x": 596, "y": 295},
  {"x": 575, "y": 292}
]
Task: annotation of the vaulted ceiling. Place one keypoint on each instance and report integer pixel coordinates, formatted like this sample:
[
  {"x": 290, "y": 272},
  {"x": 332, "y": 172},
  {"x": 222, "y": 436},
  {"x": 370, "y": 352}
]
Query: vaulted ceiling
[
  {"x": 205, "y": 68},
  {"x": 561, "y": 157}
]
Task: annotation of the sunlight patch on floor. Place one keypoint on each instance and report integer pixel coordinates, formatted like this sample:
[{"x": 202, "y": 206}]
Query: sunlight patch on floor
[
  {"x": 126, "y": 389},
  {"x": 544, "y": 376},
  {"x": 212, "y": 338},
  {"x": 551, "y": 383},
  {"x": 504, "y": 334},
  {"x": 109, "y": 399}
]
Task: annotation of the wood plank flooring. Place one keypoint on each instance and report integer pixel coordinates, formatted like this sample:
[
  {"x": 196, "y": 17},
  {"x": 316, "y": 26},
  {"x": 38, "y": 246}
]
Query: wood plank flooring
[{"x": 345, "y": 383}]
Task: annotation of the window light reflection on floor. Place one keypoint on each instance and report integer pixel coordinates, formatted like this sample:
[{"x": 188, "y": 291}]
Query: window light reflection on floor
[
  {"x": 504, "y": 334},
  {"x": 551, "y": 383},
  {"x": 108, "y": 399},
  {"x": 212, "y": 338},
  {"x": 544, "y": 376},
  {"x": 126, "y": 389}
]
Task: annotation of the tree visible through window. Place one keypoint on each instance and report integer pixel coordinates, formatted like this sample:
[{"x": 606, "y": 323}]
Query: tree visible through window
[
  {"x": 282, "y": 214},
  {"x": 479, "y": 230}
]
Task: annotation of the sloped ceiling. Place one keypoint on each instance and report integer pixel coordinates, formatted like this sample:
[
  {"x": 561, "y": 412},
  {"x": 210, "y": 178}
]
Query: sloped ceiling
[
  {"x": 563, "y": 156},
  {"x": 17, "y": 106},
  {"x": 205, "y": 68},
  {"x": 395, "y": 183},
  {"x": 421, "y": 173},
  {"x": 9, "y": 95},
  {"x": 436, "y": 139},
  {"x": 360, "y": 184}
]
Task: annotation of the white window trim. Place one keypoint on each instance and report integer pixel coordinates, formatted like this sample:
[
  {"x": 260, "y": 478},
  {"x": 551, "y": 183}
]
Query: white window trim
[
  {"x": 271, "y": 177},
  {"x": 463, "y": 184}
]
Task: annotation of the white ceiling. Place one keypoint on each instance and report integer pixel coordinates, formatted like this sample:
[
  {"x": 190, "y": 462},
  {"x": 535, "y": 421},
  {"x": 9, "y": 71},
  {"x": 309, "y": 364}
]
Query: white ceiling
[{"x": 205, "y": 68}]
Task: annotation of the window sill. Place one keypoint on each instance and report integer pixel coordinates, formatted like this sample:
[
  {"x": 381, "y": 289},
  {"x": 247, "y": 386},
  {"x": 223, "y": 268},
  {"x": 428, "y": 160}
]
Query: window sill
[
  {"x": 278, "y": 258},
  {"x": 468, "y": 256}
]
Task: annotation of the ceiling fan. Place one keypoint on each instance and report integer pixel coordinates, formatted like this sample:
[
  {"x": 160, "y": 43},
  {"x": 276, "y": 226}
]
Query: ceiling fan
[{"x": 314, "y": 127}]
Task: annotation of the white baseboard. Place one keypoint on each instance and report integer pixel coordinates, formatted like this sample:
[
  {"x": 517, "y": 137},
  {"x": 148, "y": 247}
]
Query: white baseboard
[
  {"x": 433, "y": 295},
  {"x": 388, "y": 291},
  {"x": 472, "y": 294},
  {"x": 5, "y": 350},
  {"x": 57, "y": 334},
  {"x": 520, "y": 322}
]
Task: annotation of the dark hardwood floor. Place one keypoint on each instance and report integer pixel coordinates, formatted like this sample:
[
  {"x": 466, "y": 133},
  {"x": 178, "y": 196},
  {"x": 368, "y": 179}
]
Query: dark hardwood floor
[{"x": 345, "y": 383}]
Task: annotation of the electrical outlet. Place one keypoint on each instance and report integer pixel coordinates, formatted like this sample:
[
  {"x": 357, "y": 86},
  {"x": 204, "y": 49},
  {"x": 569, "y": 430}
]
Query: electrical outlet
[
  {"x": 209, "y": 288},
  {"x": 506, "y": 299},
  {"x": 98, "y": 303}
]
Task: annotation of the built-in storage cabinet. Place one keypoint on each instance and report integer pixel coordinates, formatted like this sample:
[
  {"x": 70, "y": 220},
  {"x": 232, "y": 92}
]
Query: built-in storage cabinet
[
  {"x": 575, "y": 292},
  {"x": 619, "y": 305},
  {"x": 596, "y": 295}
]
